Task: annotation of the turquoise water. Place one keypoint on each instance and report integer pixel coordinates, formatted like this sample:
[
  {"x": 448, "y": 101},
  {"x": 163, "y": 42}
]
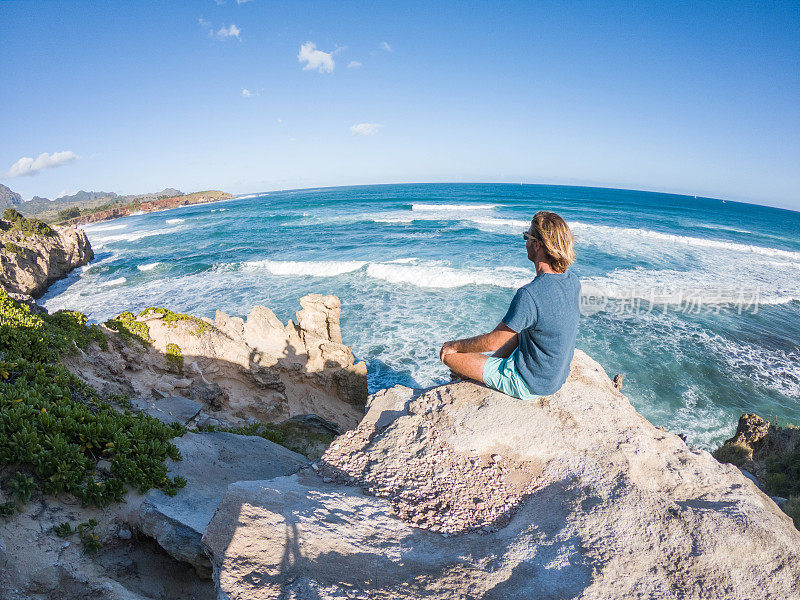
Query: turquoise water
[{"x": 696, "y": 301}]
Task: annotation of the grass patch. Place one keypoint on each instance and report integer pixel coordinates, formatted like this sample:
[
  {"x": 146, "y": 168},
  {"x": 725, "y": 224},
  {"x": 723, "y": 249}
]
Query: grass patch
[
  {"x": 54, "y": 428},
  {"x": 126, "y": 324},
  {"x": 168, "y": 316}
]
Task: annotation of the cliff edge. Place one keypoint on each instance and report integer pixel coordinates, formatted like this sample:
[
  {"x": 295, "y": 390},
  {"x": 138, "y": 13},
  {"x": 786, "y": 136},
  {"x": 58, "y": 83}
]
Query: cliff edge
[
  {"x": 34, "y": 255},
  {"x": 462, "y": 492}
]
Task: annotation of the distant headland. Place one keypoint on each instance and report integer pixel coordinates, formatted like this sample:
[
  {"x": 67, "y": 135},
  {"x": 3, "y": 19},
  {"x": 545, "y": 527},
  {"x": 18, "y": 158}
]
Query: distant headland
[{"x": 91, "y": 207}]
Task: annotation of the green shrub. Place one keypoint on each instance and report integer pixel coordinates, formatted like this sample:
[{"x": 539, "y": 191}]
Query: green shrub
[
  {"x": 783, "y": 474},
  {"x": 268, "y": 432},
  {"x": 69, "y": 213},
  {"x": 7, "y": 509},
  {"x": 12, "y": 247},
  {"x": 174, "y": 356},
  {"x": 89, "y": 539},
  {"x": 167, "y": 316},
  {"x": 25, "y": 225},
  {"x": 127, "y": 325},
  {"x": 792, "y": 508},
  {"x": 22, "y": 486},
  {"x": 55, "y": 426},
  {"x": 735, "y": 454},
  {"x": 12, "y": 214},
  {"x": 42, "y": 338}
]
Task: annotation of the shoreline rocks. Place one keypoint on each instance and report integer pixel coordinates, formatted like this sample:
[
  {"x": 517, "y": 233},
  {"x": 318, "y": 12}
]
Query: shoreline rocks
[{"x": 41, "y": 259}]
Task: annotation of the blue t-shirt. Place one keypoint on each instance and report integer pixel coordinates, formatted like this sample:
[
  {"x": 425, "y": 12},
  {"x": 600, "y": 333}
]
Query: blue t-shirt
[{"x": 545, "y": 313}]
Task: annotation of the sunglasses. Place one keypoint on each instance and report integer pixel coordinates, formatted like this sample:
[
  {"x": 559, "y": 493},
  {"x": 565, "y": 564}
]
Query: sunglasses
[{"x": 527, "y": 236}]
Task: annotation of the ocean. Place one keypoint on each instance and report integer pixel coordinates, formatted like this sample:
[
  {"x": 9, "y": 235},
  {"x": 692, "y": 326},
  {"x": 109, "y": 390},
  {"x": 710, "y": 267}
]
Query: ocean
[{"x": 695, "y": 300}]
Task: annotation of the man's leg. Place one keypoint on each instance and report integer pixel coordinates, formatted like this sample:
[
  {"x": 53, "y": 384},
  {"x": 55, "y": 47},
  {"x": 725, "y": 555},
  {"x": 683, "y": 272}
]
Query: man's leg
[{"x": 468, "y": 364}]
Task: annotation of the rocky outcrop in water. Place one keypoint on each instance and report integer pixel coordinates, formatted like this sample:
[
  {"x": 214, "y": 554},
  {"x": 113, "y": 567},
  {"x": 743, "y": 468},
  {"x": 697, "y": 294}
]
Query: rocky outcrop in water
[
  {"x": 29, "y": 263},
  {"x": 462, "y": 492}
]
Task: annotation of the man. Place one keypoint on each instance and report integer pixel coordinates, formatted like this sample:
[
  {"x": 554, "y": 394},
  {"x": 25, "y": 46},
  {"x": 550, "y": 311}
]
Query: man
[{"x": 534, "y": 343}]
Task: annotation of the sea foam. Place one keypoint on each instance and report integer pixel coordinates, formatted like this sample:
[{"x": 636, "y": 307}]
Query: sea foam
[{"x": 312, "y": 268}]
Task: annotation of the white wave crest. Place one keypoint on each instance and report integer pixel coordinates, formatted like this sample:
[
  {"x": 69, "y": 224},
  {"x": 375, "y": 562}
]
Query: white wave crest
[
  {"x": 312, "y": 268},
  {"x": 451, "y": 207},
  {"x": 148, "y": 267},
  {"x": 117, "y": 281},
  {"x": 606, "y": 234},
  {"x": 94, "y": 227},
  {"x": 427, "y": 275},
  {"x": 173, "y": 221},
  {"x": 393, "y": 220},
  {"x": 132, "y": 236},
  {"x": 725, "y": 285}
]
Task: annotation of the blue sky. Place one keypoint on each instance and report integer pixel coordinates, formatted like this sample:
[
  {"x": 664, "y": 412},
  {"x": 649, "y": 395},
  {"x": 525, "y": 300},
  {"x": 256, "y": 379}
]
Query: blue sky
[{"x": 697, "y": 98}]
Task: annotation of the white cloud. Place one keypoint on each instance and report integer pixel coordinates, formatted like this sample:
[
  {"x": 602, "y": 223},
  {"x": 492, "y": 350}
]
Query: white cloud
[
  {"x": 315, "y": 59},
  {"x": 229, "y": 32},
  {"x": 223, "y": 33},
  {"x": 29, "y": 166},
  {"x": 354, "y": 64},
  {"x": 247, "y": 93},
  {"x": 386, "y": 46},
  {"x": 365, "y": 129}
]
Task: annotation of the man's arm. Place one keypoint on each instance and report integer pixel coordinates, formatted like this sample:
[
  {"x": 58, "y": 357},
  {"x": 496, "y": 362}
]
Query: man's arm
[
  {"x": 506, "y": 349},
  {"x": 499, "y": 338}
]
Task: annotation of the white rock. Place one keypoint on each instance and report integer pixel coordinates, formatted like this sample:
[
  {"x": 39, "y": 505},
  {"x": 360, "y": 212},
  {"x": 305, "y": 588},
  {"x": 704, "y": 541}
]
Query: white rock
[{"x": 619, "y": 511}]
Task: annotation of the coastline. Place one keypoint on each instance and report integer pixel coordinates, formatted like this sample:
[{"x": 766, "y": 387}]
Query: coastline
[
  {"x": 161, "y": 205},
  {"x": 402, "y": 475}
]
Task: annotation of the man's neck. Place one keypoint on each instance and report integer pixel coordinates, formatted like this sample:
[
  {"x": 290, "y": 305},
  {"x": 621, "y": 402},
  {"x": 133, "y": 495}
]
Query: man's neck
[{"x": 543, "y": 267}]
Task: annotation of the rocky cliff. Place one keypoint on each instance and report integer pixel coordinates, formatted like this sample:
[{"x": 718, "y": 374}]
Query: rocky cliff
[
  {"x": 462, "y": 492},
  {"x": 9, "y": 197},
  {"x": 29, "y": 262},
  {"x": 235, "y": 370}
]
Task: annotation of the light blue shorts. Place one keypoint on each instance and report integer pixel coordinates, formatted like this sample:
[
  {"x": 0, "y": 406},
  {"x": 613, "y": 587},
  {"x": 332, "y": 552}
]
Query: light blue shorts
[{"x": 501, "y": 374}]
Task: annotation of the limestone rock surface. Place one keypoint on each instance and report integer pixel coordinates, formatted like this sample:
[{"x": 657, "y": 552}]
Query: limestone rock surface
[
  {"x": 42, "y": 259},
  {"x": 239, "y": 369},
  {"x": 211, "y": 461},
  {"x": 462, "y": 492}
]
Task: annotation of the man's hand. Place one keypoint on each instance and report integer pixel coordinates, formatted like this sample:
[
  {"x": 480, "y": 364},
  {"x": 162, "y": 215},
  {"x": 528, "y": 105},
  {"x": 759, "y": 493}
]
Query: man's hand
[{"x": 447, "y": 348}]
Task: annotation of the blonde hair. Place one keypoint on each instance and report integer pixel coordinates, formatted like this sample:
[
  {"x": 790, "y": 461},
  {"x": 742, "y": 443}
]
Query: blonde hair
[{"x": 556, "y": 239}]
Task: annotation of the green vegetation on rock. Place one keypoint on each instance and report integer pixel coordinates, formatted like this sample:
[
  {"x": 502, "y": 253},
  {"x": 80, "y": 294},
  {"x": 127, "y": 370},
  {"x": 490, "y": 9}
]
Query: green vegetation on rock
[
  {"x": 735, "y": 454},
  {"x": 126, "y": 324},
  {"x": 54, "y": 428},
  {"x": 25, "y": 225},
  {"x": 168, "y": 316},
  {"x": 12, "y": 247},
  {"x": 174, "y": 356},
  {"x": 288, "y": 434},
  {"x": 89, "y": 539},
  {"x": 772, "y": 453},
  {"x": 42, "y": 338}
]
